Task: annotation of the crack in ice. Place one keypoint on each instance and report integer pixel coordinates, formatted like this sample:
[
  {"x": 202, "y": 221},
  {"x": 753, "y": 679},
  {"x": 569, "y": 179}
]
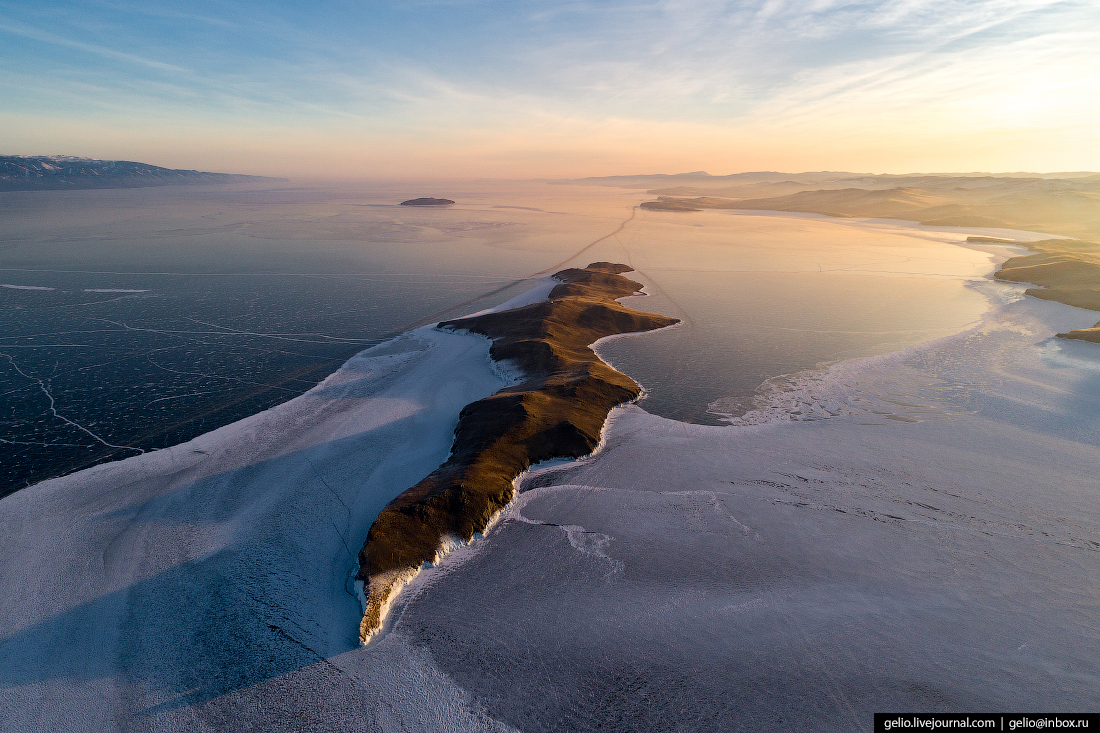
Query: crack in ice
[{"x": 53, "y": 408}]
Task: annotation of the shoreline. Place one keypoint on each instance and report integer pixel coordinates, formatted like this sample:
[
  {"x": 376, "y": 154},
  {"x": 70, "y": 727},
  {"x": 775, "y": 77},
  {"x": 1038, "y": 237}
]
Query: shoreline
[
  {"x": 767, "y": 408},
  {"x": 251, "y": 529},
  {"x": 394, "y": 582}
]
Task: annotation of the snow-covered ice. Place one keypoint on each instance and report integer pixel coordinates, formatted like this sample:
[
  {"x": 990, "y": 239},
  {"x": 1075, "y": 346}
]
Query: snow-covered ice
[{"x": 210, "y": 584}]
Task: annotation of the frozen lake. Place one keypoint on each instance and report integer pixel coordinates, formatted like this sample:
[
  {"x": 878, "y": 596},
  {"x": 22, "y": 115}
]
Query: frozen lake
[
  {"x": 930, "y": 542},
  {"x": 137, "y": 319},
  {"x": 915, "y": 530},
  {"x": 767, "y": 295}
]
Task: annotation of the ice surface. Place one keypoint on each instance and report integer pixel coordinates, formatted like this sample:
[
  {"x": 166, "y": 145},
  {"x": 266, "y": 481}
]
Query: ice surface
[
  {"x": 761, "y": 296},
  {"x": 943, "y": 233},
  {"x": 912, "y": 531}
]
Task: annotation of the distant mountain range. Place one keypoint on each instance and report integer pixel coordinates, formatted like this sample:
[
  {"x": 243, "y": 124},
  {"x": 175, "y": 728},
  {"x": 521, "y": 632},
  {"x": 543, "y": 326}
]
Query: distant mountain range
[
  {"x": 1058, "y": 203},
  {"x": 701, "y": 180},
  {"x": 63, "y": 172}
]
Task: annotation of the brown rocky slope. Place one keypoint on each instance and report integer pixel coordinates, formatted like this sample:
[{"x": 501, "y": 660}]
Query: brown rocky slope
[
  {"x": 556, "y": 411},
  {"x": 1066, "y": 271}
]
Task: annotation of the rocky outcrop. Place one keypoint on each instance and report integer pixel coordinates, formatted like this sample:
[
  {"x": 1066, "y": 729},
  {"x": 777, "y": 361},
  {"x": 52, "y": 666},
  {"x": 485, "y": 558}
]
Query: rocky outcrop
[{"x": 556, "y": 411}]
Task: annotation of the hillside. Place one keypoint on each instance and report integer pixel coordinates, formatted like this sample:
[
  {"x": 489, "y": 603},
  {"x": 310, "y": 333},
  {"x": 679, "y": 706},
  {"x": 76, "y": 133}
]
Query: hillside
[
  {"x": 63, "y": 173},
  {"x": 1069, "y": 207}
]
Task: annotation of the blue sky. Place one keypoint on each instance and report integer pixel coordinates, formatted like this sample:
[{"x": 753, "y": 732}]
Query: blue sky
[{"x": 523, "y": 89}]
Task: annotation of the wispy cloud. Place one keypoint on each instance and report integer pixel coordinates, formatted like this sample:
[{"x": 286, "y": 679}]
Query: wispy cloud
[
  {"x": 54, "y": 39},
  {"x": 488, "y": 69}
]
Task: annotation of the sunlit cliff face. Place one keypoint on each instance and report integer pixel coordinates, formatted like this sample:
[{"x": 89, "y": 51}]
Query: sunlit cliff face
[{"x": 461, "y": 89}]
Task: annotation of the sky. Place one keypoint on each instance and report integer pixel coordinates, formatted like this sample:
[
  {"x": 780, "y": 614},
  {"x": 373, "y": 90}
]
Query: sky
[{"x": 518, "y": 89}]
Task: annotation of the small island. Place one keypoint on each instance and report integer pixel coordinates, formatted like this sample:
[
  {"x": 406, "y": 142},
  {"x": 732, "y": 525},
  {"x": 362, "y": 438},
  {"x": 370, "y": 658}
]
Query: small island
[
  {"x": 557, "y": 410},
  {"x": 427, "y": 201}
]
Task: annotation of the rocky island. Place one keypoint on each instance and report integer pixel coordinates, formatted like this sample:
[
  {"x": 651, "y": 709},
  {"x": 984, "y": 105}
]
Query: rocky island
[
  {"x": 556, "y": 410},
  {"x": 427, "y": 201}
]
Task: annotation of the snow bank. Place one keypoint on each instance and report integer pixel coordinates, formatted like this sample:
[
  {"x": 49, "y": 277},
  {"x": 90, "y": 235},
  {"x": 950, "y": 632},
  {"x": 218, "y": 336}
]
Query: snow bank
[{"x": 206, "y": 585}]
